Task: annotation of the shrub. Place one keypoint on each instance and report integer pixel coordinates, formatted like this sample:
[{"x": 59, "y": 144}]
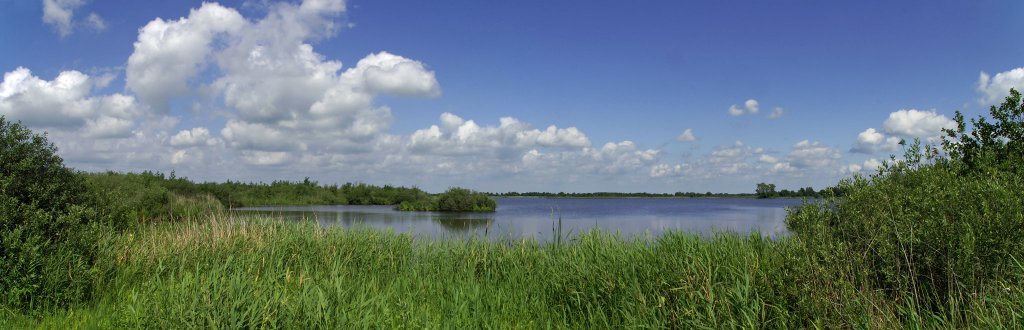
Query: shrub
[
  {"x": 49, "y": 228},
  {"x": 932, "y": 231},
  {"x": 465, "y": 200}
]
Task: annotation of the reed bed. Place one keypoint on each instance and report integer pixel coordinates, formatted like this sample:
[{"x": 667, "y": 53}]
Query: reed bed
[{"x": 220, "y": 272}]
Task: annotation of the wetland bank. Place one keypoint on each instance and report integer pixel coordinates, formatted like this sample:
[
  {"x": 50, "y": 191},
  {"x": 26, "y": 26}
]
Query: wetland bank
[{"x": 931, "y": 240}]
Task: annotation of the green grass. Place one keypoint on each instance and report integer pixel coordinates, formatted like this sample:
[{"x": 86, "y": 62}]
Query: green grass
[{"x": 258, "y": 273}]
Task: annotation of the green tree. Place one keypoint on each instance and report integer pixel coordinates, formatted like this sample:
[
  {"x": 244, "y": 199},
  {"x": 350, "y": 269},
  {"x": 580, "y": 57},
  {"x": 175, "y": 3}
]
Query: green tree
[
  {"x": 48, "y": 226},
  {"x": 765, "y": 190},
  {"x": 999, "y": 144},
  {"x": 464, "y": 200}
]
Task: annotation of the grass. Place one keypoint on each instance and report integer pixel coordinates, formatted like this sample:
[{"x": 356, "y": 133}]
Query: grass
[
  {"x": 218, "y": 272},
  {"x": 254, "y": 273}
]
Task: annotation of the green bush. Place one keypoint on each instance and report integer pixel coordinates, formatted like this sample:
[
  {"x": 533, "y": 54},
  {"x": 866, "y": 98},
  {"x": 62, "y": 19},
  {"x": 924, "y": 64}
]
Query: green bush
[
  {"x": 134, "y": 198},
  {"x": 930, "y": 231},
  {"x": 49, "y": 229},
  {"x": 465, "y": 200}
]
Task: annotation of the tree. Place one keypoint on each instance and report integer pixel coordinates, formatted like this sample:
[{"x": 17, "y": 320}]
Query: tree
[
  {"x": 48, "y": 224},
  {"x": 765, "y": 190},
  {"x": 999, "y": 144}
]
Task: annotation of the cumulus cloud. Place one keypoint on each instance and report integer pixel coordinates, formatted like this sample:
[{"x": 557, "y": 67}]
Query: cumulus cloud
[
  {"x": 271, "y": 77},
  {"x": 902, "y": 125},
  {"x": 457, "y": 136},
  {"x": 807, "y": 154},
  {"x": 289, "y": 109},
  {"x": 994, "y": 89},
  {"x": 776, "y": 113},
  {"x": 751, "y": 106},
  {"x": 168, "y": 54},
  {"x": 740, "y": 162},
  {"x": 58, "y": 14},
  {"x": 871, "y": 141},
  {"x": 199, "y": 136},
  {"x": 728, "y": 160},
  {"x": 391, "y": 74},
  {"x": 872, "y": 164},
  {"x": 686, "y": 136},
  {"x": 917, "y": 123},
  {"x": 666, "y": 170},
  {"x": 868, "y": 166},
  {"x": 66, "y": 103}
]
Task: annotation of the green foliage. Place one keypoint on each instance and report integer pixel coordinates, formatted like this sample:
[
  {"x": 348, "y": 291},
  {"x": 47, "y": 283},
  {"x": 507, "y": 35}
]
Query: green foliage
[
  {"x": 998, "y": 145},
  {"x": 465, "y": 200},
  {"x": 765, "y": 190},
  {"x": 49, "y": 229},
  {"x": 262, "y": 273},
  {"x": 935, "y": 233},
  {"x": 152, "y": 196},
  {"x": 265, "y": 274},
  {"x": 452, "y": 200}
]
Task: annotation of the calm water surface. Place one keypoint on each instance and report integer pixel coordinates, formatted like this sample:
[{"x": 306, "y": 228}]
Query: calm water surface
[{"x": 536, "y": 217}]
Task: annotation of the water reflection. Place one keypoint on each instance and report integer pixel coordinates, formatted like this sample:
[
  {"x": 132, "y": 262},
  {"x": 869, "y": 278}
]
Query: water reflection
[{"x": 539, "y": 217}]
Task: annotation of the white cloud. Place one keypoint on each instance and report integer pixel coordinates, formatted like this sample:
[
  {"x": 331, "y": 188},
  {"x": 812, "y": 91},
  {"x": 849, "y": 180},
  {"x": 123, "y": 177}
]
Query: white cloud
[
  {"x": 872, "y": 164},
  {"x": 751, "y": 106},
  {"x": 266, "y": 158},
  {"x": 783, "y": 167},
  {"x": 108, "y": 127},
  {"x": 65, "y": 103},
  {"x": 735, "y": 112},
  {"x": 168, "y": 54},
  {"x": 289, "y": 109},
  {"x": 59, "y": 13},
  {"x": 457, "y": 136},
  {"x": 686, "y": 136},
  {"x": 260, "y": 137},
  {"x": 995, "y": 88},
  {"x": 96, "y": 22},
  {"x": 391, "y": 74},
  {"x": 195, "y": 137},
  {"x": 740, "y": 165},
  {"x": 917, "y": 123},
  {"x": 851, "y": 169},
  {"x": 870, "y": 141},
  {"x": 807, "y": 154},
  {"x": 666, "y": 170},
  {"x": 776, "y": 113}
]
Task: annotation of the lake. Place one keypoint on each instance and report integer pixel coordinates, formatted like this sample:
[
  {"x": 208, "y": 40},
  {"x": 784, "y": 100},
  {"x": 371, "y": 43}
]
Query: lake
[{"x": 538, "y": 217}]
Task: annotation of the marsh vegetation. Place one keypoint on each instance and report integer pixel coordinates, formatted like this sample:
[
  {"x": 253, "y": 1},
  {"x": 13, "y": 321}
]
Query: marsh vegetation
[{"x": 934, "y": 239}]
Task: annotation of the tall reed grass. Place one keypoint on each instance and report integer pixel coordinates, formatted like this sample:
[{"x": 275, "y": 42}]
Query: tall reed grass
[{"x": 220, "y": 272}]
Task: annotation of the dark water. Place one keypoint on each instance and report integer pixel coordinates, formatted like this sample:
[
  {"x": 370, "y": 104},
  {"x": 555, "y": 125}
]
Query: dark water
[{"x": 537, "y": 217}]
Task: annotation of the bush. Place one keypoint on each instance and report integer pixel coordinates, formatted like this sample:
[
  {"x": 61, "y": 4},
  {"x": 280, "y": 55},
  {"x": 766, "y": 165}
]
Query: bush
[
  {"x": 465, "y": 200},
  {"x": 930, "y": 231},
  {"x": 49, "y": 228}
]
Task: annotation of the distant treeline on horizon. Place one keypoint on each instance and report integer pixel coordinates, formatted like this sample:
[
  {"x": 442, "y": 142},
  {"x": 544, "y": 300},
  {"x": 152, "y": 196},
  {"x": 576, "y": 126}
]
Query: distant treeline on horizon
[
  {"x": 308, "y": 192},
  {"x": 802, "y": 192}
]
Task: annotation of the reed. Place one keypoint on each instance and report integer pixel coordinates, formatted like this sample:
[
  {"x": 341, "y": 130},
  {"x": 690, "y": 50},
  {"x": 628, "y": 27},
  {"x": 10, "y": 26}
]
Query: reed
[{"x": 220, "y": 272}]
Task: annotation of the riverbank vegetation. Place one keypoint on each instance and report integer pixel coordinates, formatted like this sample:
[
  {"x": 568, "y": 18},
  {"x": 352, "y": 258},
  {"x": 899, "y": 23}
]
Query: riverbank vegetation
[
  {"x": 760, "y": 192},
  {"x": 452, "y": 200},
  {"x": 933, "y": 240},
  {"x": 154, "y": 196}
]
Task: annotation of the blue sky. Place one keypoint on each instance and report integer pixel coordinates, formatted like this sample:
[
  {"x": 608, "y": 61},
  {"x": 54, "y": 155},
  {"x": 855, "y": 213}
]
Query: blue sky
[{"x": 503, "y": 96}]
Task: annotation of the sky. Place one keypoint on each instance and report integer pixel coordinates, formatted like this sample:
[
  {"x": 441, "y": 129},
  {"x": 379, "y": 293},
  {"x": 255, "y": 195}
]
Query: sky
[{"x": 575, "y": 96}]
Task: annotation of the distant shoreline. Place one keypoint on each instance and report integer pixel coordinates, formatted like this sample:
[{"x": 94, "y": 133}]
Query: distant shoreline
[{"x": 650, "y": 197}]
